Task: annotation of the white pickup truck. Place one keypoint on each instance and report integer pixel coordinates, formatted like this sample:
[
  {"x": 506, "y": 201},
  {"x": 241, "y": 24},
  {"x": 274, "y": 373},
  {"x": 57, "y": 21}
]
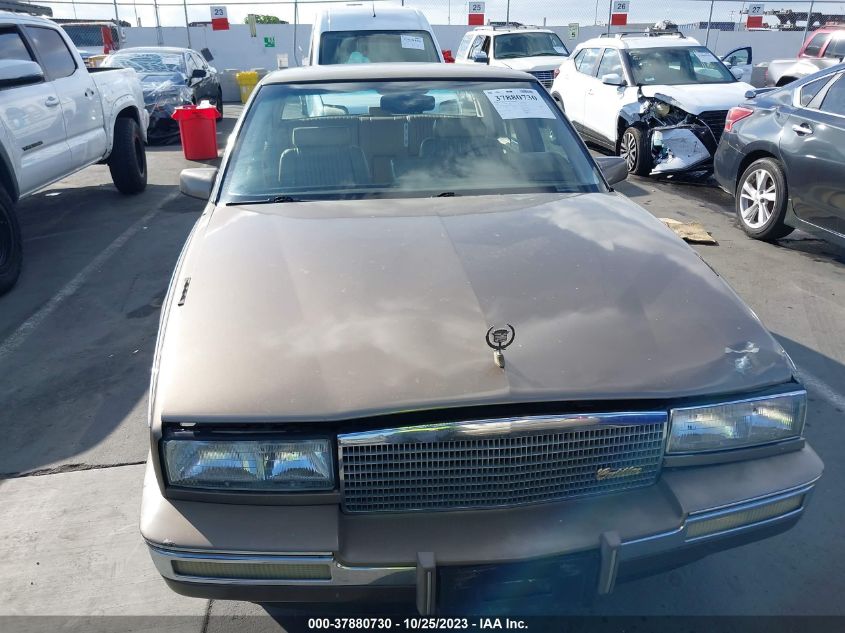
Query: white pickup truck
[{"x": 57, "y": 117}]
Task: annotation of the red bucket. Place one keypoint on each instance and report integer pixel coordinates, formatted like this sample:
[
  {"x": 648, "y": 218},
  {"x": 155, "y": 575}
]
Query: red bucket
[{"x": 198, "y": 129}]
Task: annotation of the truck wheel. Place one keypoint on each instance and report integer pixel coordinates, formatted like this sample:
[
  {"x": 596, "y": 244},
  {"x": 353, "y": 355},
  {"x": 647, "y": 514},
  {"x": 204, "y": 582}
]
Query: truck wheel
[
  {"x": 635, "y": 150},
  {"x": 128, "y": 160},
  {"x": 761, "y": 200},
  {"x": 11, "y": 245}
]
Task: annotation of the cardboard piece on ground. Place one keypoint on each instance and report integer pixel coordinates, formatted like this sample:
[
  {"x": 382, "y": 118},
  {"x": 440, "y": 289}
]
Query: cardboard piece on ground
[{"x": 692, "y": 232}]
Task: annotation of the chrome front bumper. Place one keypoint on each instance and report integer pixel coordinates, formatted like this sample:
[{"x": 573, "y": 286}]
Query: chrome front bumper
[{"x": 267, "y": 570}]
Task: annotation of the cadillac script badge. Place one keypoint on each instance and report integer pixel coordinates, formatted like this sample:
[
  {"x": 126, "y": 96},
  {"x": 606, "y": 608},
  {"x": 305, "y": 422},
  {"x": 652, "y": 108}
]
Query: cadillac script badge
[{"x": 499, "y": 338}]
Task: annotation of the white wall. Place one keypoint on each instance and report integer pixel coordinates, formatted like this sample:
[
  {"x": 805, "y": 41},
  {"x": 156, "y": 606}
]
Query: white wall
[{"x": 236, "y": 50}]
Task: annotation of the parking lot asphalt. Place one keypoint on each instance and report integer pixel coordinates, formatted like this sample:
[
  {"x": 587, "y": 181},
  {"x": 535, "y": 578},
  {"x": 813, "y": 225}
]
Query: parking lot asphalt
[{"x": 76, "y": 344}]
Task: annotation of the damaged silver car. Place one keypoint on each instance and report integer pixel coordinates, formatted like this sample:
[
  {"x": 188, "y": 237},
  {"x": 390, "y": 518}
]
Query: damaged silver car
[{"x": 658, "y": 99}]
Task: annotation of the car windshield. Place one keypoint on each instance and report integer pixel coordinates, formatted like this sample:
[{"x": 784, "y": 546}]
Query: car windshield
[
  {"x": 148, "y": 62},
  {"x": 512, "y": 45},
  {"x": 405, "y": 139},
  {"x": 675, "y": 66},
  {"x": 364, "y": 47}
]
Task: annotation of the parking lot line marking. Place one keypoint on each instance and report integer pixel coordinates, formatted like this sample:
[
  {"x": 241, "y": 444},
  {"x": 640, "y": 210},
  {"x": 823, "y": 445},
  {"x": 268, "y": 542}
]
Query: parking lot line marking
[
  {"x": 822, "y": 389},
  {"x": 25, "y": 329}
]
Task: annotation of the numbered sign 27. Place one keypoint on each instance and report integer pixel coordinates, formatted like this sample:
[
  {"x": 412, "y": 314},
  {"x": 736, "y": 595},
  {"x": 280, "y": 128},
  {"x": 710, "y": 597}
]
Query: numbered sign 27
[
  {"x": 219, "y": 18},
  {"x": 619, "y": 12},
  {"x": 755, "y": 15},
  {"x": 475, "y": 13}
]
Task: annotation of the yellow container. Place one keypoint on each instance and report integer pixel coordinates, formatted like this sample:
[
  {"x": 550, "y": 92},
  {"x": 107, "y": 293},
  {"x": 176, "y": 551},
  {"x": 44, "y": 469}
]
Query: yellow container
[{"x": 246, "y": 82}]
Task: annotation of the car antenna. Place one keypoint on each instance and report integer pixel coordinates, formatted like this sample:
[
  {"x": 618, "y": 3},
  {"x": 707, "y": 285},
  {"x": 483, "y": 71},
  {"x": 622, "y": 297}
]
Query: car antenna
[{"x": 374, "y": 8}]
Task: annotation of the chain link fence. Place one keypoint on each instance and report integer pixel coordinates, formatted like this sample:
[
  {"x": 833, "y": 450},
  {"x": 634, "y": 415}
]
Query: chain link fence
[{"x": 726, "y": 14}]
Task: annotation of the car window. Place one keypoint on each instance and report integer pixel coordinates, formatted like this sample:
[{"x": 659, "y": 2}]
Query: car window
[
  {"x": 364, "y": 47},
  {"x": 810, "y": 90},
  {"x": 834, "y": 100},
  {"x": 677, "y": 65},
  {"x": 147, "y": 61},
  {"x": 476, "y": 46},
  {"x": 52, "y": 51},
  {"x": 739, "y": 57},
  {"x": 12, "y": 45},
  {"x": 513, "y": 45},
  {"x": 463, "y": 47},
  {"x": 816, "y": 44},
  {"x": 611, "y": 63},
  {"x": 191, "y": 63},
  {"x": 586, "y": 60},
  {"x": 405, "y": 139},
  {"x": 836, "y": 48}
]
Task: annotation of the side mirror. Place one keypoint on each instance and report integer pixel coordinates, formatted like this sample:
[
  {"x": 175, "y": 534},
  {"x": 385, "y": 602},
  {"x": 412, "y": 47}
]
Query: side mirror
[
  {"x": 198, "y": 182},
  {"x": 16, "y": 72},
  {"x": 198, "y": 73},
  {"x": 613, "y": 168},
  {"x": 613, "y": 79},
  {"x": 481, "y": 58},
  {"x": 737, "y": 73}
]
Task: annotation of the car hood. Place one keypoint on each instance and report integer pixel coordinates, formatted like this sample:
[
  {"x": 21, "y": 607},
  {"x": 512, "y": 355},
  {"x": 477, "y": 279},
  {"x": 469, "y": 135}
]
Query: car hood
[
  {"x": 333, "y": 310},
  {"x": 529, "y": 64},
  {"x": 698, "y": 98},
  {"x": 160, "y": 83}
]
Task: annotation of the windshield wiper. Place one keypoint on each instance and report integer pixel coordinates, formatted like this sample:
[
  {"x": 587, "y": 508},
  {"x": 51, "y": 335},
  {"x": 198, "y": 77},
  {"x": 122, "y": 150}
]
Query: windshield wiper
[
  {"x": 275, "y": 200},
  {"x": 446, "y": 194}
]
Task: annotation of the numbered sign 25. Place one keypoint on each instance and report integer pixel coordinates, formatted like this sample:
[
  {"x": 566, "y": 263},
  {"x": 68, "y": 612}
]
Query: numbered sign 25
[{"x": 476, "y": 7}]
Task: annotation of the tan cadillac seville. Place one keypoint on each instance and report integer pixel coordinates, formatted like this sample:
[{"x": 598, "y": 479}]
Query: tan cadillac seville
[{"x": 417, "y": 347}]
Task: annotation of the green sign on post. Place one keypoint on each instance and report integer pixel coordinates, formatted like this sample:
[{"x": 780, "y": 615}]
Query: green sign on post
[{"x": 269, "y": 42}]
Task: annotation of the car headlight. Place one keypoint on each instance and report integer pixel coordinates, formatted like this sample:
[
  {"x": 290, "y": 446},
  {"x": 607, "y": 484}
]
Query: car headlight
[
  {"x": 286, "y": 466},
  {"x": 661, "y": 108},
  {"x": 737, "y": 424}
]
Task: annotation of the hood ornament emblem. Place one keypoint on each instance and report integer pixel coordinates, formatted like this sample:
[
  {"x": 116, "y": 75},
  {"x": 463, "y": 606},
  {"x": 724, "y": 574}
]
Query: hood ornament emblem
[{"x": 499, "y": 338}]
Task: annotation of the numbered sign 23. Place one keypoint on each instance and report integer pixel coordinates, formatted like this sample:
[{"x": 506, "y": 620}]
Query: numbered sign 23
[
  {"x": 475, "y": 13},
  {"x": 219, "y": 18},
  {"x": 619, "y": 12}
]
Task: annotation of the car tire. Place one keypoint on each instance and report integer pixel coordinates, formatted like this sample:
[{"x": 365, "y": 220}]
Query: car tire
[
  {"x": 128, "y": 159},
  {"x": 11, "y": 244},
  {"x": 219, "y": 103},
  {"x": 633, "y": 147},
  {"x": 761, "y": 200}
]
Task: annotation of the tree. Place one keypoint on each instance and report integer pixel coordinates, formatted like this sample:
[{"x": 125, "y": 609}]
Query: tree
[{"x": 266, "y": 19}]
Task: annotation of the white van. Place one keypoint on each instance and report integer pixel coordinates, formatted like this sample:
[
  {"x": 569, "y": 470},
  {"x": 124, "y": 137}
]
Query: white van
[{"x": 360, "y": 34}]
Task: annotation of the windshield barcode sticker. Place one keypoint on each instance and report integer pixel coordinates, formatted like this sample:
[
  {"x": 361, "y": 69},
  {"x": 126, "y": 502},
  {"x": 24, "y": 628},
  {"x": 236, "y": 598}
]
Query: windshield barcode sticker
[
  {"x": 412, "y": 41},
  {"x": 706, "y": 57},
  {"x": 519, "y": 103}
]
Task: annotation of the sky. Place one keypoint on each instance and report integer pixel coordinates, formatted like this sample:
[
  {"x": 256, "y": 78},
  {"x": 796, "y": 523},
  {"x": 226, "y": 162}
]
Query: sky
[{"x": 584, "y": 12}]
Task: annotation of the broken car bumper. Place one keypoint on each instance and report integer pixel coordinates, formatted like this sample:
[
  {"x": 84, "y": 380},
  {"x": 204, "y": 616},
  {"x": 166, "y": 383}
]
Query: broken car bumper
[{"x": 318, "y": 553}]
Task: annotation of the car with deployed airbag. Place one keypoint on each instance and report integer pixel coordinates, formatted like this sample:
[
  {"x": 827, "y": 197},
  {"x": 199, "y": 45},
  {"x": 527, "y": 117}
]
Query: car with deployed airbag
[{"x": 416, "y": 331}]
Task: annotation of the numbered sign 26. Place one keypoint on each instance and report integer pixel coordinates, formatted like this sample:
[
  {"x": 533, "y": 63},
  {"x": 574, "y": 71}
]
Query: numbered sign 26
[
  {"x": 475, "y": 13},
  {"x": 619, "y": 12},
  {"x": 219, "y": 18}
]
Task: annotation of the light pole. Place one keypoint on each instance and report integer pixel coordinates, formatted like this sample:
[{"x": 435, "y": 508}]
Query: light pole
[
  {"x": 709, "y": 20},
  {"x": 807, "y": 25},
  {"x": 187, "y": 26}
]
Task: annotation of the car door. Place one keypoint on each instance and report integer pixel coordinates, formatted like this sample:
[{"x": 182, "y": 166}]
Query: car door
[
  {"x": 740, "y": 59},
  {"x": 580, "y": 78},
  {"x": 32, "y": 117},
  {"x": 813, "y": 149},
  {"x": 602, "y": 102},
  {"x": 80, "y": 101}
]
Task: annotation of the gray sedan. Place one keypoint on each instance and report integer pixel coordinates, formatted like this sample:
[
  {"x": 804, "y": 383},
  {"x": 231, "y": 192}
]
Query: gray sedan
[
  {"x": 417, "y": 346},
  {"x": 782, "y": 156}
]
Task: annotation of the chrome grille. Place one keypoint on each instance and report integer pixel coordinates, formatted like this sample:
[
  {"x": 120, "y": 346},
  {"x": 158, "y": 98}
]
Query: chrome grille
[
  {"x": 496, "y": 463},
  {"x": 715, "y": 120},
  {"x": 545, "y": 77}
]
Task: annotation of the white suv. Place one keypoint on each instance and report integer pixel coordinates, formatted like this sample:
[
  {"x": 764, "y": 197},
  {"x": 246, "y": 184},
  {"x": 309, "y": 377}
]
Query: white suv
[
  {"x": 532, "y": 50},
  {"x": 658, "y": 99}
]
